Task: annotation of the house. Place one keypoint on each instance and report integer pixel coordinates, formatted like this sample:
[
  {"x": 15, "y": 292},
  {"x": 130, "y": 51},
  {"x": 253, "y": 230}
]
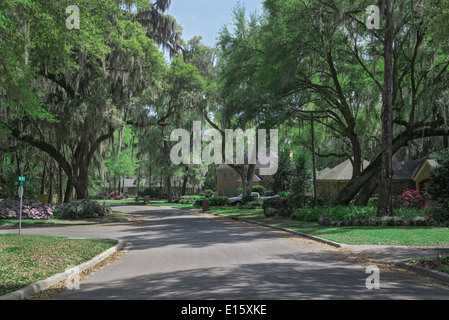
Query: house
[
  {"x": 412, "y": 175},
  {"x": 129, "y": 186},
  {"x": 228, "y": 180},
  {"x": 331, "y": 181}
]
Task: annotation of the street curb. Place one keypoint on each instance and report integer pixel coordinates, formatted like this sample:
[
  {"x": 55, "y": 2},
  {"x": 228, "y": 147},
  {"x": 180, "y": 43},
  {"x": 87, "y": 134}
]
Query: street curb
[
  {"x": 433, "y": 274},
  {"x": 32, "y": 289},
  {"x": 304, "y": 235}
]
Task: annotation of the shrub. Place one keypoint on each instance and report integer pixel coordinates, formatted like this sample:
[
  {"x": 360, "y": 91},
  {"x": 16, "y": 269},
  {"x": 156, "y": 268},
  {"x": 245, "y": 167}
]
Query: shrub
[
  {"x": 439, "y": 183},
  {"x": 277, "y": 207},
  {"x": 259, "y": 189},
  {"x": 413, "y": 199},
  {"x": 207, "y": 193},
  {"x": 31, "y": 209},
  {"x": 252, "y": 205},
  {"x": 246, "y": 199},
  {"x": 193, "y": 200},
  {"x": 307, "y": 214},
  {"x": 80, "y": 209},
  {"x": 361, "y": 216},
  {"x": 439, "y": 215},
  {"x": 199, "y": 201},
  {"x": 153, "y": 193},
  {"x": 218, "y": 201},
  {"x": 116, "y": 195}
]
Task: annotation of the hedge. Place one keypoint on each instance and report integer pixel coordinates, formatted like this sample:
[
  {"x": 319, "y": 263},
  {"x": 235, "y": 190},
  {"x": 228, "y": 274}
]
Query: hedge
[{"x": 218, "y": 201}]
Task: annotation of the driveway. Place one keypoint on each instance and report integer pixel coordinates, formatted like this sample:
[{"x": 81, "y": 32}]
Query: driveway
[{"x": 178, "y": 255}]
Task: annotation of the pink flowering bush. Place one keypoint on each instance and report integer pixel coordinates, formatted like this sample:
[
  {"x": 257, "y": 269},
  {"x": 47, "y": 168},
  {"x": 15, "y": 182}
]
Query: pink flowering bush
[
  {"x": 31, "y": 209},
  {"x": 116, "y": 195},
  {"x": 414, "y": 199}
]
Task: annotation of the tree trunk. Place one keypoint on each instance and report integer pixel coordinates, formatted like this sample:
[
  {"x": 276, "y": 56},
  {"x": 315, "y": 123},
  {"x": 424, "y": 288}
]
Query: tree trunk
[
  {"x": 169, "y": 190},
  {"x": 81, "y": 182},
  {"x": 184, "y": 185},
  {"x": 44, "y": 178},
  {"x": 60, "y": 187},
  {"x": 50, "y": 192},
  {"x": 68, "y": 191},
  {"x": 385, "y": 188},
  {"x": 366, "y": 192}
]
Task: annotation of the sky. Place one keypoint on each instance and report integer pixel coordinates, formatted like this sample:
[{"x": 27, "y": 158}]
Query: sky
[{"x": 206, "y": 17}]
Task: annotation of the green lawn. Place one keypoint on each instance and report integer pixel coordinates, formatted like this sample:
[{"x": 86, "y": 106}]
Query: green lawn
[
  {"x": 27, "y": 259},
  {"x": 397, "y": 236}
]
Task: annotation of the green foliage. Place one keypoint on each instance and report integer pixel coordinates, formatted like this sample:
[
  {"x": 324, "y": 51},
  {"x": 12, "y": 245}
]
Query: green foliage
[
  {"x": 439, "y": 185},
  {"x": 80, "y": 209},
  {"x": 260, "y": 189},
  {"x": 256, "y": 204},
  {"x": 218, "y": 201},
  {"x": 193, "y": 200},
  {"x": 360, "y": 216},
  {"x": 207, "y": 193},
  {"x": 277, "y": 207}
]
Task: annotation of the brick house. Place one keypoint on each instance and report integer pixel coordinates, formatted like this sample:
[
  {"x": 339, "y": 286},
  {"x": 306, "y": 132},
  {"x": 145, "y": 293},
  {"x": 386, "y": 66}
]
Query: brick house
[
  {"x": 412, "y": 175},
  {"x": 228, "y": 180}
]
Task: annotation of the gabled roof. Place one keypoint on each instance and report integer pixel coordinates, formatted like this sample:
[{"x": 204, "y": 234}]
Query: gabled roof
[
  {"x": 130, "y": 183},
  {"x": 406, "y": 170},
  {"x": 430, "y": 162},
  {"x": 342, "y": 172}
]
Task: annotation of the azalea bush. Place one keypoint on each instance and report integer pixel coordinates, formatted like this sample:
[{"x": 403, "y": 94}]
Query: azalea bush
[
  {"x": 80, "y": 209},
  {"x": 116, "y": 195},
  {"x": 31, "y": 209},
  {"x": 435, "y": 212},
  {"x": 413, "y": 199}
]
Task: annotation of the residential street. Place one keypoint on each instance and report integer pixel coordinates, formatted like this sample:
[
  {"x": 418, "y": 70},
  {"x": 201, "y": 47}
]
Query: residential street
[{"x": 177, "y": 255}]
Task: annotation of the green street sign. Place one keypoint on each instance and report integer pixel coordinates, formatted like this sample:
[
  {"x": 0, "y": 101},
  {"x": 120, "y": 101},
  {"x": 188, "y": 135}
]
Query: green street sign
[
  {"x": 21, "y": 183},
  {"x": 21, "y": 179}
]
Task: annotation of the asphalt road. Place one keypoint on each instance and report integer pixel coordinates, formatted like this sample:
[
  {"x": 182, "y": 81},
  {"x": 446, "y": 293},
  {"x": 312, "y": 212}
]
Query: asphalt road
[{"x": 177, "y": 255}]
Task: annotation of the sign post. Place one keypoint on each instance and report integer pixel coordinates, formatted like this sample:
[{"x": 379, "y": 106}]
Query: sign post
[{"x": 21, "y": 183}]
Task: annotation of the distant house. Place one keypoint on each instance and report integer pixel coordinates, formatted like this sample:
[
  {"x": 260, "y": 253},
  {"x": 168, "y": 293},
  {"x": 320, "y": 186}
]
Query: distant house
[
  {"x": 407, "y": 175},
  {"x": 331, "y": 181},
  {"x": 228, "y": 180},
  {"x": 129, "y": 187}
]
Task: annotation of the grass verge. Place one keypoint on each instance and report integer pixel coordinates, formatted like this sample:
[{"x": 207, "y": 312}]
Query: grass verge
[
  {"x": 27, "y": 259},
  {"x": 354, "y": 235}
]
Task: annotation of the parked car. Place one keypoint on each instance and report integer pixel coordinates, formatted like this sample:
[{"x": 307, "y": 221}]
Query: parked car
[
  {"x": 239, "y": 200},
  {"x": 269, "y": 197}
]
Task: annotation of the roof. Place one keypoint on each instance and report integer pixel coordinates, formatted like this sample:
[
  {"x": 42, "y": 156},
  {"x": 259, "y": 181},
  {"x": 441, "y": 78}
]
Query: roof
[
  {"x": 256, "y": 177},
  {"x": 430, "y": 162},
  {"x": 258, "y": 164},
  {"x": 341, "y": 172},
  {"x": 406, "y": 170},
  {"x": 130, "y": 183}
]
